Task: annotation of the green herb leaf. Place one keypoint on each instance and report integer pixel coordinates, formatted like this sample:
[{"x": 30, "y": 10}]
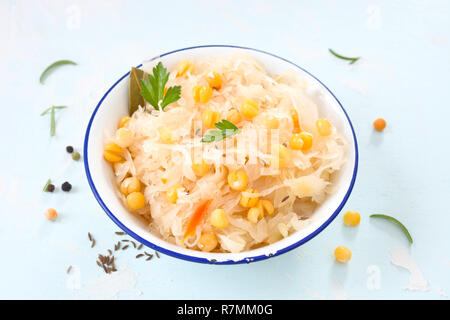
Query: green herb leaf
[
  {"x": 225, "y": 124},
  {"x": 352, "y": 60},
  {"x": 52, "y": 122},
  {"x": 52, "y": 117},
  {"x": 226, "y": 129},
  {"x": 48, "y": 109},
  {"x": 153, "y": 88},
  {"x": 213, "y": 135},
  {"x": 53, "y": 66},
  {"x": 172, "y": 95},
  {"x": 46, "y": 184},
  {"x": 389, "y": 218},
  {"x": 135, "y": 97}
]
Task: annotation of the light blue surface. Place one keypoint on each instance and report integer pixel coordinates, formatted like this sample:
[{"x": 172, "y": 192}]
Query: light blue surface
[{"x": 403, "y": 76}]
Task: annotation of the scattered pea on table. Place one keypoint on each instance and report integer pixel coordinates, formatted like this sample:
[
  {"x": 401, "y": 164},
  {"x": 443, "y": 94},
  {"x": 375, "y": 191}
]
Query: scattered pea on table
[
  {"x": 379, "y": 124},
  {"x": 352, "y": 218},
  {"x": 51, "y": 214},
  {"x": 342, "y": 254}
]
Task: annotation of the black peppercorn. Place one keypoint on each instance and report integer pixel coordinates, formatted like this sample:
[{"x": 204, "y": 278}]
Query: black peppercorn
[
  {"x": 69, "y": 149},
  {"x": 50, "y": 187},
  {"x": 66, "y": 186}
]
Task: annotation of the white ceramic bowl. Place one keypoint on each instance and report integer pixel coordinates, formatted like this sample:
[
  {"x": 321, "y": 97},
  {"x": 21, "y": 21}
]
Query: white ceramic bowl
[{"x": 114, "y": 105}]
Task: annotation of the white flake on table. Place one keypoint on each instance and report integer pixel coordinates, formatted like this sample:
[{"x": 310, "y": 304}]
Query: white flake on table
[
  {"x": 441, "y": 292},
  {"x": 357, "y": 86},
  {"x": 108, "y": 286},
  {"x": 373, "y": 18},
  {"x": 338, "y": 291},
  {"x": 401, "y": 257},
  {"x": 314, "y": 294},
  {"x": 74, "y": 280}
]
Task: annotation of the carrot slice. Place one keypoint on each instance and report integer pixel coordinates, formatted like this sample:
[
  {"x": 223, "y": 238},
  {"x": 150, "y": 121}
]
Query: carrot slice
[{"x": 196, "y": 219}]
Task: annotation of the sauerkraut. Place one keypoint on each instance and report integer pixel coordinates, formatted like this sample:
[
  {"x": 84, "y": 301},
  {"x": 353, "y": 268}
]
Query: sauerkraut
[{"x": 295, "y": 186}]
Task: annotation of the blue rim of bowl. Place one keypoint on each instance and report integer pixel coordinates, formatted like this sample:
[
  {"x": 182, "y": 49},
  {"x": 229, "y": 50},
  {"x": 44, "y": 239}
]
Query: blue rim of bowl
[{"x": 204, "y": 260}]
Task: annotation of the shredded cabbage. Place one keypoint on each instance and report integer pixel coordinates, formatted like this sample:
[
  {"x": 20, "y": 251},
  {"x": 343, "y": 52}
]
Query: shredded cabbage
[{"x": 295, "y": 190}]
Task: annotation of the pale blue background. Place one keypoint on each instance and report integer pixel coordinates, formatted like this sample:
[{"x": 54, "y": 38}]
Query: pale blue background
[{"x": 403, "y": 76}]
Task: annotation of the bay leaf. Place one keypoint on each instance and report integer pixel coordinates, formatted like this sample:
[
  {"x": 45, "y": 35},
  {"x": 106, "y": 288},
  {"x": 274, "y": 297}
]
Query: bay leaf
[{"x": 135, "y": 97}]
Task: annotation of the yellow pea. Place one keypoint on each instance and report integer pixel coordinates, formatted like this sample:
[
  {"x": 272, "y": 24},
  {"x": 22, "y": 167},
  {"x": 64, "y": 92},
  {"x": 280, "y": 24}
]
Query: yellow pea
[
  {"x": 249, "y": 109},
  {"x": 202, "y": 94},
  {"x": 130, "y": 185},
  {"x": 51, "y": 214},
  {"x": 219, "y": 218},
  {"x": 307, "y": 140},
  {"x": 184, "y": 67},
  {"x": 284, "y": 155},
  {"x": 324, "y": 127},
  {"x": 113, "y": 152},
  {"x": 123, "y": 121},
  {"x": 352, "y": 218},
  {"x": 342, "y": 254},
  {"x": 253, "y": 214},
  {"x": 237, "y": 180},
  {"x": 209, "y": 118},
  {"x": 208, "y": 241},
  {"x": 379, "y": 124},
  {"x": 172, "y": 193},
  {"x": 200, "y": 167},
  {"x": 271, "y": 122},
  {"x": 136, "y": 200},
  {"x": 124, "y": 137},
  {"x": 268, "y": 206},
  {"x": 249, "y": 201},
  {"x": 214, "y": 80},
  {"x": 234, "y": 116},
  {"x": 296, "y": 142}
]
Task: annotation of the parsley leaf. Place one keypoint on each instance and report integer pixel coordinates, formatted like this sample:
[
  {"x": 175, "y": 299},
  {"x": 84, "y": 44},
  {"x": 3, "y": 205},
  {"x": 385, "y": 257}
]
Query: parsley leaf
[
  {"x": 226, "y": 129},
  {"x": 225, "y": 124},
  {"x": 172, "y": 95},
  {"x": 153, "y": 88}
]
